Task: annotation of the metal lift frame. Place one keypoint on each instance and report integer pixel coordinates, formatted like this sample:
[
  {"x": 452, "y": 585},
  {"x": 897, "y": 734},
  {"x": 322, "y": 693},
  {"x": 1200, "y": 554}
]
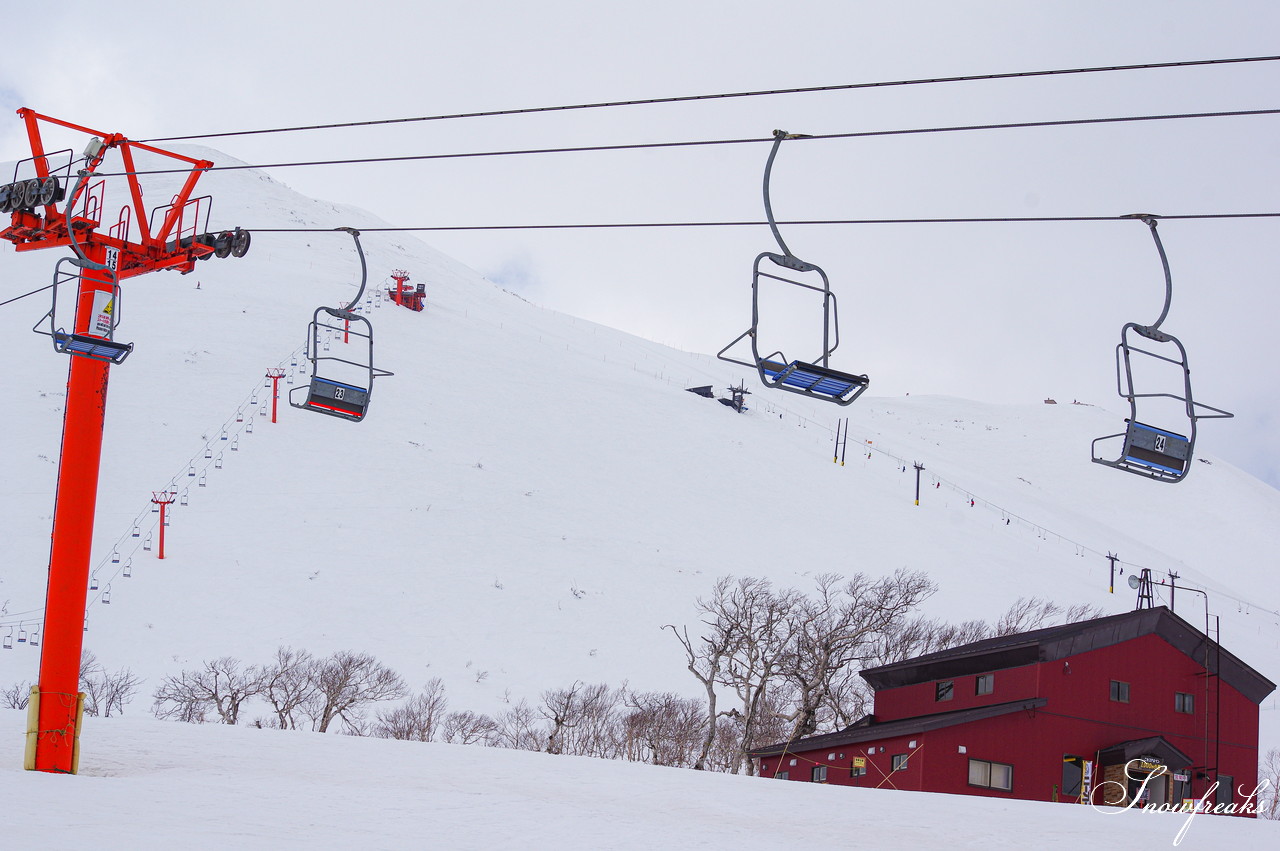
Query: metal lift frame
[
  {"x": 326, "y": 395},
  {"x": 1149, "y": 451},
  {"x": 815, "y": 379}
]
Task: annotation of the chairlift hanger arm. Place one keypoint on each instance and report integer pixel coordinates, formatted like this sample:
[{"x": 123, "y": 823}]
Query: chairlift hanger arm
[
  {"x": 778, "y": 137},
  {"x": 1152, "y": 331},
  {"x": 364, "y": 266}
]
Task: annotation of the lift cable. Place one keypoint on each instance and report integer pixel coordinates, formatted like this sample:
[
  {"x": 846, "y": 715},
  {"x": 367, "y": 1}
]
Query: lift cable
[
  {"x": 726, "y": 224},
  {"x": 724, "y": 96},
  {"x": 619, "y": 225},
  {"x": 1069, "y": 122}
]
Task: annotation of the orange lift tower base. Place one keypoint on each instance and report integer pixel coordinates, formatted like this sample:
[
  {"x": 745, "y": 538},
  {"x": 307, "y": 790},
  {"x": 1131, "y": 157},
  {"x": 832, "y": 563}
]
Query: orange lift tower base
[{"x": 103, "y": 259}]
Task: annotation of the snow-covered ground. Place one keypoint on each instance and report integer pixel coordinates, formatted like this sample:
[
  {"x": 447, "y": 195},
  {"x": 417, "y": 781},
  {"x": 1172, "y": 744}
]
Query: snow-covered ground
[
  {"x": 530, "y": 499},
  {"x": 152, "y": 785}
]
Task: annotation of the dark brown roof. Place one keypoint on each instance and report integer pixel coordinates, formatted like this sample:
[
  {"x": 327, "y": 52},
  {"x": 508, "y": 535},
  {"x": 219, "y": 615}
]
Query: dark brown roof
[
  {"x": 863, "y": 732},
  {"x": 1058, "y": 642}
]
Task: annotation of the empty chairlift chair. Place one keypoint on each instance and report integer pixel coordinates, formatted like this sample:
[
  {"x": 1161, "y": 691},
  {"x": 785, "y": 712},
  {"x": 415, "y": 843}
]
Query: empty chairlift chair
[
  {"x": 1148, "y": 450},
  {"x": 816, "y": 378},
  {"x": 342, "y": 381},
  {"x": 96, "y": 340}
]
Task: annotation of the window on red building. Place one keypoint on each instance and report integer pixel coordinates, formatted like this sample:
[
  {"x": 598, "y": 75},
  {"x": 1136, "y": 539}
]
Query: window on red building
[
  {"x": 984, "y": 684},
  {"x": 1185, "y": 703},
  {"x": 857, "y": 770},
  {"x": 899, "y": 762},
  {"x": 990, "y": 775},
  {"x": 944, "y": 690},
  {"x": 1119, "y": 691},
  {"x": 819, "y": 774}
]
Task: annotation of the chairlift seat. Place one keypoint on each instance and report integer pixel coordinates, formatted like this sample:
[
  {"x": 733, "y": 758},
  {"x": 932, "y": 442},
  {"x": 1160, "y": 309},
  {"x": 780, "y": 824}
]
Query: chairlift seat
[
  {"x": 814, "y": 380},
  {"x": 89, "y": 346},
  {"x": 1155, "y": 448},
  {"x": 337, "y": 399}
]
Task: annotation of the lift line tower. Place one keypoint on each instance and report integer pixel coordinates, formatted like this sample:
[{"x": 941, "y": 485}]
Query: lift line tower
[{"x": 174, "y": 235}]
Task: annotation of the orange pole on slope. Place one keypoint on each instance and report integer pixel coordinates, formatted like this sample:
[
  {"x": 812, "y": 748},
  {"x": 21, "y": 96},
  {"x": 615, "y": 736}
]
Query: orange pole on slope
[
  {"x": 275, "y": 373},
  {"x": 73, "y": 513},
  {"x": 163, "y": 499}
]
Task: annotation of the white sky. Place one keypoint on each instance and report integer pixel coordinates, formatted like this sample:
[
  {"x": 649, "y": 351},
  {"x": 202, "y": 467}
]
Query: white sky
[{"x": 993, "y": 312}]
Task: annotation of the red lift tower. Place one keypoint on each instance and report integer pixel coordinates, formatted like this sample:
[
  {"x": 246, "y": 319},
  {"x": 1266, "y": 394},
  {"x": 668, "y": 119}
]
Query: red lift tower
[
  {"x": 106, "y": 252},
  {"x": 405, "y": 295},
  {"x": 274, "y": 374},
  {"x": 163, "y": 499}
]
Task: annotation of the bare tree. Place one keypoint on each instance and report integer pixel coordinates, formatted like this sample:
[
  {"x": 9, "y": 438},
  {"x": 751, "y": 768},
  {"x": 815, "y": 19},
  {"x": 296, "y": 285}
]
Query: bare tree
[
  {"x": 584, "y": 720},
  {"x": 287, "y": 685},
  {"x": 704, "y": 659},
  {"x": 837, "y": 629},
  {"x": 16, "y": 696},
  {"x": 663, "y": 728},
  {"x": 418, "y": 718},
  {"x": 468, "y": 728},
  {"x": 519, "y": 728},
  {"x": 181, "y": 698},
  {"x": 105, "y": 691},
  {"x": 1026, "y": 614},
  {"x": 221, "y": 686},
  {"x": 345, "y": 683},
  {"x": 1269, "y": 779}
]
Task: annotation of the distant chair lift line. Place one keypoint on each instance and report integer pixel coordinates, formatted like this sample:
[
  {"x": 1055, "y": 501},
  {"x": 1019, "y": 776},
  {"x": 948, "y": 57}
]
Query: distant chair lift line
[
  {"x": 348, "y": 400},
  {"x": 815, "y": 379},
  {"x": 1148, "y": 450}
]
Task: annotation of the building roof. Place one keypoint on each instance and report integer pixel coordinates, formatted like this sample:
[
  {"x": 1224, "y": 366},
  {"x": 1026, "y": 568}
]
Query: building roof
[
  {"x": 1059, "y": 642},
  {"x": 868, "y": 732}
]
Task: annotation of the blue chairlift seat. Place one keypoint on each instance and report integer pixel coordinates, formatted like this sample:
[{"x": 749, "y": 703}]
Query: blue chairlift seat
[
  {"x": 89, "y": 346},
  {"x": 815, "y": 380}
]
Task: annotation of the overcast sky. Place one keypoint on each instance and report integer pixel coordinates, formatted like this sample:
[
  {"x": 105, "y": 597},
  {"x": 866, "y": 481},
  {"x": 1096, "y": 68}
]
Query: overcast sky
[{"x": 999, "y": 312}]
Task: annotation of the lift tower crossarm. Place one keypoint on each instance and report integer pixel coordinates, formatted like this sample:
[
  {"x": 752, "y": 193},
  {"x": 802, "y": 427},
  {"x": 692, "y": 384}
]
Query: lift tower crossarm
[{"x": 151, "y": 251}]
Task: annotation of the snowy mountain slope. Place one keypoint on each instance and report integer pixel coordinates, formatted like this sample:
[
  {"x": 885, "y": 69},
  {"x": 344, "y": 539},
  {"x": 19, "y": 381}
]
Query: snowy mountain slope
[
  {"x": 532, "y": 496},
  {"x": 152, "y": 785}
]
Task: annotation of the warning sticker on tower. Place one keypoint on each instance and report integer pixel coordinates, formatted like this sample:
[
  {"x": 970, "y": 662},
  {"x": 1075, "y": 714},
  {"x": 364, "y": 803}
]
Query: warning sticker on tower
[{"x": 104, "y": 305}]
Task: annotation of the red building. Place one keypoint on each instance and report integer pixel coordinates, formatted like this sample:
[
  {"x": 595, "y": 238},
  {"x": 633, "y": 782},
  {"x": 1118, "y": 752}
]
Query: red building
[{"x": 1048, "y": 715}]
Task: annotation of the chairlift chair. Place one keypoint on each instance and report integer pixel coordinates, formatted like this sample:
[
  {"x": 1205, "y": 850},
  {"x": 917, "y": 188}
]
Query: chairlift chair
[
  {"x": 22, "y": 634},
  {"x": 98, "y": 341},
  {"x": 1148, "y": 450},
  {"x": 816, "y": 379},
  {"x": 8, "y": 640},
  {"x": 35, "y": 638},
  {"x": 346, "y": 397}
]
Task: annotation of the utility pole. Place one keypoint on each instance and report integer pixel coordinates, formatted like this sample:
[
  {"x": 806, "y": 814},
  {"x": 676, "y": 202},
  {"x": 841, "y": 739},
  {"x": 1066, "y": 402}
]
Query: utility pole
[
  {"x": 1173, "y": 577},
  {"x": 274, "y": 374},
  {"x": 919, "y": 469},
  {"x": 1112, "y": 558}
]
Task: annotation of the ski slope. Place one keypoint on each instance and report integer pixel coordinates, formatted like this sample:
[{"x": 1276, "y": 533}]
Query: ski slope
[{"x": 531, "y": 498}]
